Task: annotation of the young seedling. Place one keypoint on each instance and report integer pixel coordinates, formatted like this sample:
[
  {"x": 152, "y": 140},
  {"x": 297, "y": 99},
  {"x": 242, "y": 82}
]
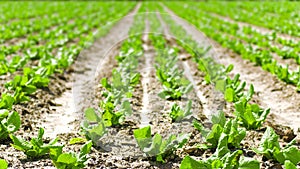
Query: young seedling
[
  {"x": 10, "y": 122},
  {"x": 178, "y": 114},
  {"x": 270, "y": 148},
  {"x": 156, "y": 146},
  {"x": 71, "y": 160},
  {"x": 93, "y": 126},
  {"x": 3, "y": 164},
  {"x": 35, "y": 147},
  {"x": 221, "y": 126}
]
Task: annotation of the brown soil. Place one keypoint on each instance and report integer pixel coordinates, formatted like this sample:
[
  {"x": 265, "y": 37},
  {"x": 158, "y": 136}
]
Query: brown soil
[
  {"x": 270, "y": 92},
  {"x": 61, "y": 105}
]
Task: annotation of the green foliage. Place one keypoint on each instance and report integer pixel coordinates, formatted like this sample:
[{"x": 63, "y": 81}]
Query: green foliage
[
  {"x": 173, "y": 82},
  {"x": 168, "y": 73},
  {"x": 177, "y": 114},
  {"x": 3, "y": 164},
  {"x": 6, "y": 101},
  {"x": 270, "y": 148},
  {"x": 234, "y": 89},
  {"x": 156, "y": 146},
  {"x": 35, "y": 147},
  {"x": 70, "y": 160},
  {"x": 231, "y": 160},
  {"x": 251, "y": 116},
  {"x": 93, "y": 126},
  {"x": 10, "y": 123},
  {"x": 220, "y": 127}
]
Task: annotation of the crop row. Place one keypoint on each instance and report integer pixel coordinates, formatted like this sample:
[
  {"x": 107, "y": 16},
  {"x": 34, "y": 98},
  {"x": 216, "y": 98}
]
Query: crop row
[
  {"x": 259, "y": 56},
  {"x": 62, "y": 31},
  {"x": 248, "y": 115},
  {"x": 22, "y": 87},
  {"x": 278, "y": 23},
  {"x": 13, "y": 12},
  {"x": 58, "y": 39}
]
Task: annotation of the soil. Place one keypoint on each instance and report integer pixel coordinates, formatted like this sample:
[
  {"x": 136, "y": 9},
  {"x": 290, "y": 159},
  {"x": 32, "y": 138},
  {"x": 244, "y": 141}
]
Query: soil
[
  {"x": 270, "y": 92},
  {"x": 59, "y": 108}
]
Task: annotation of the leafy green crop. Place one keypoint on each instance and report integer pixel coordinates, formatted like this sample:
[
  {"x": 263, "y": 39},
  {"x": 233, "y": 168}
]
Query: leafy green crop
[
  {"x": 270, "y": 148},
  {"x": 223, "y": 157},
  {"x": 10, "y": 122},
  {"x": 6, "y": 101},
  {"x": 36, "y": 147},
  {"x": 289, "y": 165},
  {"x": 70, "y": 160},
  {"x": 228, "y": 161},
  {"x": 111, "y": 116},
  {"x": 156, "y": 146},
  {"x": 177, "y": 114},
  {"x": 234, "y": 89},
  {"x": 3, "y": 164},
  {"x": 93, "y": 126},
  {"x": 168, "y": 73},
  {"x": 251, "y": 116},
  {"x": 174, "y": 84},
  {"x": 27, "y": 84},
  {"x": 221, "y": 126},
  {"x": 120, "y": 87}
]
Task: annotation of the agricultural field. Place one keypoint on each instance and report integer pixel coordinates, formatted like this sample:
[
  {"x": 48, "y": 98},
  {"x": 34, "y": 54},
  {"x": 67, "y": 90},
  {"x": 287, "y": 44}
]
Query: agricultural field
[{"x": 124, "y": 84}]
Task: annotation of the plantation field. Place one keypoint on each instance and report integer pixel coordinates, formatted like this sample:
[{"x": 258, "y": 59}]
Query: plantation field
[{"x": 189, "y": 85}]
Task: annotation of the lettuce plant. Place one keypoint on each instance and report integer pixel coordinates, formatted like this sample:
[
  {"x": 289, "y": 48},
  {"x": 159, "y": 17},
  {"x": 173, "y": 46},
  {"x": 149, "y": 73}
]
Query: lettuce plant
[
  {"x": 228, "y": 161},
  {"x": 6, "y": 101},
  {"x": 70, "y": 160},
  {"x": 93, "y": 126},
  {"x": 270, "y": 148},
  {"x": 173, "y": 83},
  {"x": 177, "y": 114},
  {"x": 221, "y": 126},
  {"x": 234, "y": 89},
  {"x": 10, "y": 122},
  {"x": 156, "y": 146},
  {"x": 113, "y": 115},
  {"x": 251, "y": 116},
  {"x": 35, "y": 147},
  {"x": 3, "y": 164}
]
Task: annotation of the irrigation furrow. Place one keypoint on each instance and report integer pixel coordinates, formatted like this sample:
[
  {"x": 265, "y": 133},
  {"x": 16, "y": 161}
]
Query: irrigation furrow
[
  {"x": 146, "y": 79},
  {"x": 208, "y": 102},
  {"x": 270, "y": 92},
  {"x": 85, "y": 77}
]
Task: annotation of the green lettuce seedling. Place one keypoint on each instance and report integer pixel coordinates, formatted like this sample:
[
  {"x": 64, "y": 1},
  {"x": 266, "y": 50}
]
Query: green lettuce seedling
[
  {"x": 270, "y": 148},
  {"x": 113, "y": 117},
  {"x": 177, "y": 114},
  {"x": 221, "y": 126},
  {"x": 35, "y": 147},
  {"x": 222, "y": 158},
  {"x": 173, "y": 83},
  {"x": 3, "y": 164},
  {"x": 156, "y": 146},
  {"x": 70, "y": 160},
  {"x": 6, "y": 101},
  {"x": 93, "y": 126},
  {"x": 229, "y": 161},
  {"x": 10, "y": 122}
]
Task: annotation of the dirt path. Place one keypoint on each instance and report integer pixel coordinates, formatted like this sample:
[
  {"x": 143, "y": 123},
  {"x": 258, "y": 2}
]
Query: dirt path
[
  {"x": 205, "y": 93},
  {"x": 81, "y": 96},
  {"x": 146, "y": 78},
  {"x": 270, "y": 92}
]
